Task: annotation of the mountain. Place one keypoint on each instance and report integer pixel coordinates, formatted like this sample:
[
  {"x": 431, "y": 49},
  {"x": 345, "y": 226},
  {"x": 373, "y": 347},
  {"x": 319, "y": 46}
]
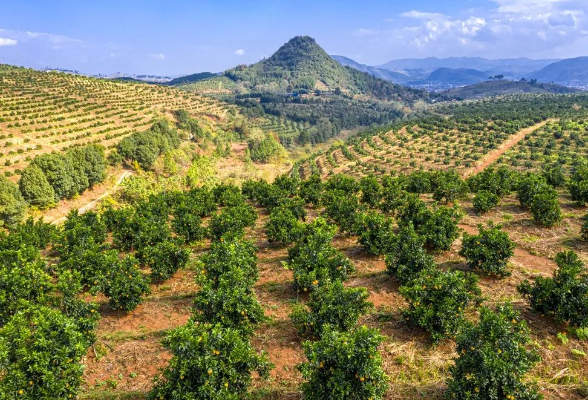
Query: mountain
[
  {"x": 500, "y": 88},
  {"x": 191, "y": 78},
  {"x": 569, "y": 72},
  {"x": 461, "y": 76},
  {"x": 517, "y": 65},
  {"x": 392, "y": 76},
  {"x": 302, "y": 65}
]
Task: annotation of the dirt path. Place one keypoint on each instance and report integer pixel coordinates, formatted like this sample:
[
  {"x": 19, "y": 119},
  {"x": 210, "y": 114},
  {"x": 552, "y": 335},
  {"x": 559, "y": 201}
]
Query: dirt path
[
  {"x": 91, "y": 204},
  {"x": 504, "y": 147}
]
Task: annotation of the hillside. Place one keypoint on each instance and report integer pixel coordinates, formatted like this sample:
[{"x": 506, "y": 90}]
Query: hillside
[
  {"x": 570, "y": 72},
  {"x": 190, "y": 78},
  {"x": 301, "y": 65},
  {"x": 460, "y": 76},
  {"x": 392, "y": 76},
  {"x": 500, "y": 88},
  {"x": 42, "y": 112}
]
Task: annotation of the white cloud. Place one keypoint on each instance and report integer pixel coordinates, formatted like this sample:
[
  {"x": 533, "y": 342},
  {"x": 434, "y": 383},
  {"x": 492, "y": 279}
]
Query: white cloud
[
  {"x": 240, "y": 52},
  {"x": 509, "y": 28},
  {"x": 8, "y": 42},
  {"x": 158, "y": 56}
]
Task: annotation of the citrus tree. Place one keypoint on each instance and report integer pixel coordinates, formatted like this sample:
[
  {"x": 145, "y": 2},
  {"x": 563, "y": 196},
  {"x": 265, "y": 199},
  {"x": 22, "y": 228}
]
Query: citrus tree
[{"x": 489, "y": 250}]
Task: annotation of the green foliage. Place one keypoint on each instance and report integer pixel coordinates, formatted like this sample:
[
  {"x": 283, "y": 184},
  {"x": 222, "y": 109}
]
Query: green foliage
[
  {"x": 484, "y": 201},
  {"x": 437, "y": 301},
  {"x": 226, "y": 255},
  {"x": 124, "y": 285},
  {"x": 419, "y": 182},
  {"x": 531, "y": 185},
  {"x": 40, "y": 354},
  {"x": 447, "y": 186},
  {"x": 555, "y": 175},
  {"x": 330, "y": 305},
  {"x": 344, "y": 365},
  {"x": 565, "y": 295},
  {"x": 229, "y": 301},
  {"x": 584, "y": 229},
  {"x": 209, "y": 362},
  {"x": 12, "y": 204},
  {"x": 145, "y": 147},
  {"x": 232, "y": 221},
  {"x": 371, "y": 190},
  {"x": 500, "y": 182},
  {"x": 164, "y": 259},
  {"x": 23, "y": 280},
  {"x": 440, "y": 228},
  {"x": 313, "y": 258},
  {"x": 493, "y": 357},
  {"x": 34, "y": 233},
  {"x": 227, "y": 195},
  {"x": 187, "y": 223},
  {"x": 578, "y": 184},
  {"x": 408, "y": 256},
  {"x": 545, "y": 208},
  {"x": 342, "y": 183},
  {"x": 414, "y": 211},
  {"x": 59, "y": 172},
  {"x": 283, "y": 226},
  {"x": 393, "y": 195},
  {"x": 311, "y": 190},
  {"x": 266, "y": 149},
  {"x": 341, "y": 208},
  {"x": 489, "y": 251},
  {"x": 376, "y": 233},
  {"x": 35, "y": 187}
]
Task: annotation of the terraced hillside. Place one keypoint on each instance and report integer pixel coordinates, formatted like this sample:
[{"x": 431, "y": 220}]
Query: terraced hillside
[
  {"x": 530, "y": 129},
  {"x": 42, "y": 112}
]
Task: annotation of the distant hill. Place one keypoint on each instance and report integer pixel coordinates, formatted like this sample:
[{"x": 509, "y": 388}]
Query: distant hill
[
  {"x": 302, "y": 65},
  {"x": 570, "y": 72},
  {"x": 521, "y": 66},
  {"x": 460, "y": 76},
  {"x": 501, "y": 87},
  {"x": 392, "y": 76},
  {"x": 191, "y": 78}
]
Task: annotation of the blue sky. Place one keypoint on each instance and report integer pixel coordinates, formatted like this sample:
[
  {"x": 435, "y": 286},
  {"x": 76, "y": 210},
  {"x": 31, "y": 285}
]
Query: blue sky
[{"x": 176, "y": 37}]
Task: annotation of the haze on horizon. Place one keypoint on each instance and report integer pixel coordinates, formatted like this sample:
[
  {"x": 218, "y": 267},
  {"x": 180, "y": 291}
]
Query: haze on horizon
[{"x": 173, "y": 38}]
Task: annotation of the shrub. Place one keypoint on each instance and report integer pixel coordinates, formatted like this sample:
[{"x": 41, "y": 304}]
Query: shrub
[
  {"x": 12, "y": 204},
  {"x": 531, "y": 185},
  {"x": 418, "y": 182},
  {"x": 34, "y": 233},
  {"x": 313, "y": 258},
  {"x": 23, "y": 280},
  {"x": 413, "y": 211},
  {"x": 341, "y": 208},
  {"x": 209, "y": 362},
  {"x": 565, "y": 295},
  {"x": 283, "y": 226},
  {"x": 393, "y": 195},
  {"x": 376, "y": 233},
  {"x": 225, "y": 255},
  {"x": 493, "y": 358},
  {"x": 188, "y": 224},
  {"x": 499, "y": 182},
  {"x": 124, "y": 285},
  {"x": 35, "y": 187},
  {"x": 311, "y": 190},
  {"x": 545, "y": 208},
  {"x": 578, "y": 184},
  {"x": 440, "y": 229},
  {"x": 555, "y": 175},
  {"x": 331, "y": 305},
  {"x": 584, "y": 229},
  {"x": 40, "y": 354},
  {"x": 489, "y": 251},
  {"x": 230, "y": 302},
  {"x": 447, "y": 186},
  {"x": 408, "y": 256},
  {"x": 227, "y": 195},
  {"x": 484, "y": 201},
  {"x": 343, "y": 183},
  {"x": 232, "y": 221},
  {"x": 437, "y": 301},
  {"x": 344, "y": 365},
  {"x": 371, "y": 190},
  {"x": 164, "y": 259}
]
